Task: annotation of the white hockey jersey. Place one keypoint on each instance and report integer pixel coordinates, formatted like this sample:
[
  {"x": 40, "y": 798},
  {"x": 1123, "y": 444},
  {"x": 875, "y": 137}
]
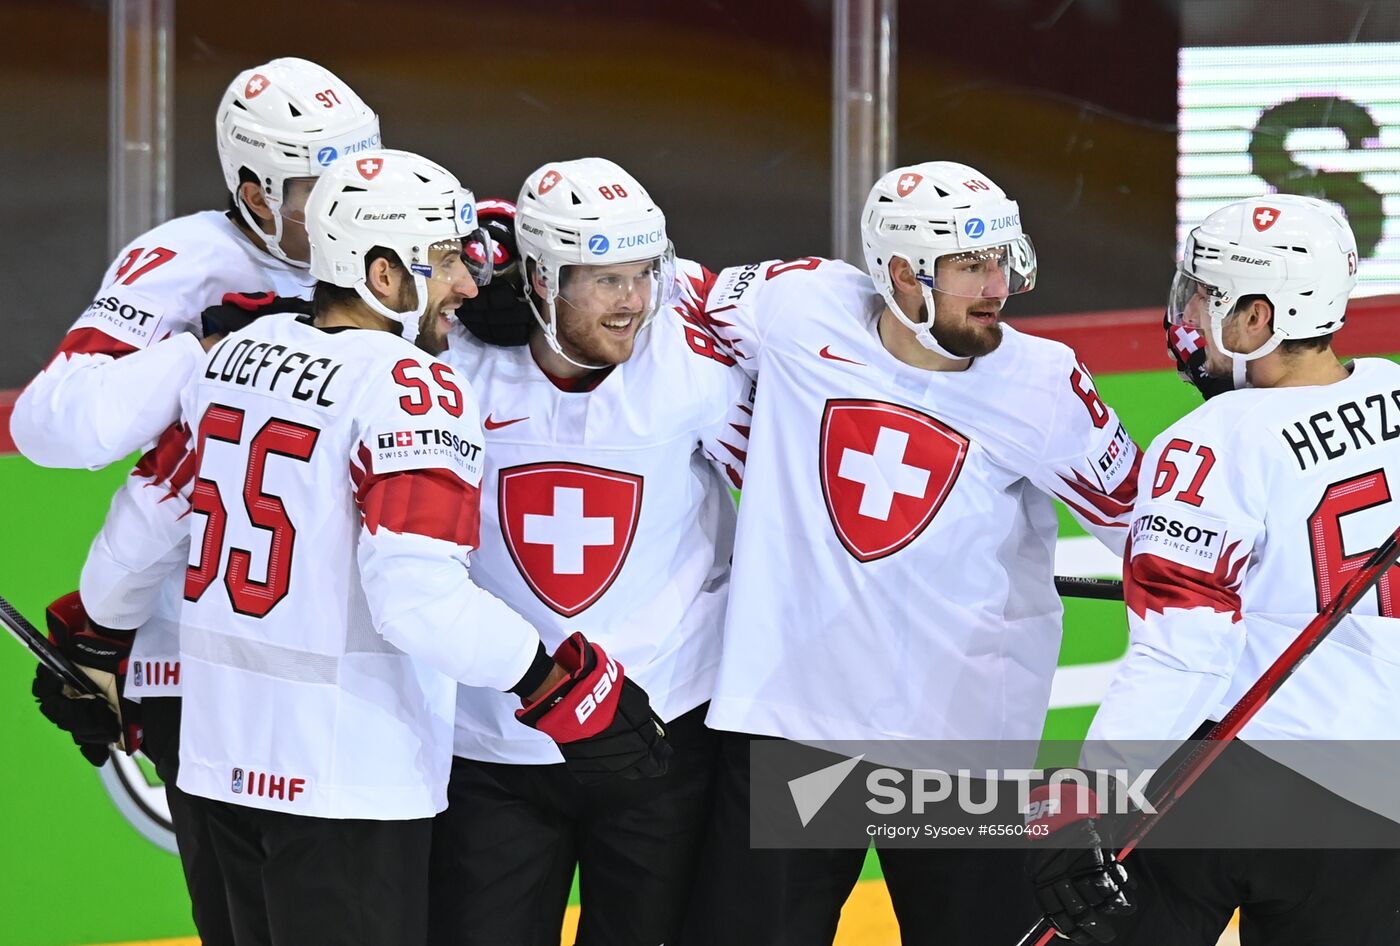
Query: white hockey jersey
[
  {"x": 92, "y": 406},
  {"x": 894, "y": 557},
  {"x": 1253, "y": 510},
  {"x": 608, "y": 511},
  {"x": 329, "y": 614}
]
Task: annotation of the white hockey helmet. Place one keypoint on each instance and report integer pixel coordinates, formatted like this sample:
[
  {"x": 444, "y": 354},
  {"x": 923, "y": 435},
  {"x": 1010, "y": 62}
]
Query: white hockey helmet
[
  {"x": 395, "y": 200},
  {"x": 926, "y": 211},
  {"x": 288, "y": 118},
  {"x": 1298, "y": 252},
  {"x": 589, "y": 212}
]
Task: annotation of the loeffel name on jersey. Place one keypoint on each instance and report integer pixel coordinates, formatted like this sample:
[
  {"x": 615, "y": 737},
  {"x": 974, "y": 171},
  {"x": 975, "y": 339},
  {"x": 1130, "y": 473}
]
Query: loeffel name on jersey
[
  {"x": 1346, "y": 428},
  {"x": 1182, "y": 536},
  {"x": 407, "y": 449},
  {"x": 274, "y": 368},
  {"x": 732, "y": 285},
  {"x": 125, "y": 318}
]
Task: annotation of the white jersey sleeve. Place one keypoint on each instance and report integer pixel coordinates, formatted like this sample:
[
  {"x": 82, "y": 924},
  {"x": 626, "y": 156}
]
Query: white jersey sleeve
[
  {"x": 113, "y": 384},
  {"x": 1090, "y": 462},
  {"x": 421, "y": 516},
  {"x": 145, "y": 538},
  {"x": 729, "y": 305}
]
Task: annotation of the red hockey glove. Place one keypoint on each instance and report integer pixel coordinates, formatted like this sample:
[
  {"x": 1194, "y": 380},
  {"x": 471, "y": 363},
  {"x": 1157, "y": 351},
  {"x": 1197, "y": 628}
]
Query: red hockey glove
[
  {"x": 498, "y": 314},
  {"x": 101, "y": 653},
  {"x": 1078, "y": 880},
  {"x": 601, "y": 720}
]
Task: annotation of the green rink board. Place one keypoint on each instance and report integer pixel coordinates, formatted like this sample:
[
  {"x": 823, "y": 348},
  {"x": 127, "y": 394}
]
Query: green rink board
[{"x": 73, "y": 871}]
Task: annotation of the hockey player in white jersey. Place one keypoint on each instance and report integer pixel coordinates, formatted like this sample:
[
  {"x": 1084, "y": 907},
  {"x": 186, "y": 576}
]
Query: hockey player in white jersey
[
  {"x": 1252, "y": 512},
  {"x": 331, "y": 615},
  {"x": 279, "y": 124},
  {"x": 113, "y": 385},
  {"x": 612, "y": 439},
  {"x": 898, "y": 524}
]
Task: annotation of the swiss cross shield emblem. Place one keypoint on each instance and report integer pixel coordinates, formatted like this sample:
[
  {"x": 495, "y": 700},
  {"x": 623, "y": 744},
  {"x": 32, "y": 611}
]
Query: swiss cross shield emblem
[
  {"x": 369, "y": 168},
  {"x": 1264, "y": 218},
  {"x": 255, "y": 86},
  {"x": 907, "y": 183},
  {"x": 548, "y": 181},
  {"x": 568, "y": 527},
  {"x": 885, "y": 471}
]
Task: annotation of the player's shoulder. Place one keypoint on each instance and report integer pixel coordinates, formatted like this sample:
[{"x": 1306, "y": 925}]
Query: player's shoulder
[
  {"x": 1236, "y": 417},
  {"x": 1041, "y": 371},
  {"x": 782, "y": 280}
]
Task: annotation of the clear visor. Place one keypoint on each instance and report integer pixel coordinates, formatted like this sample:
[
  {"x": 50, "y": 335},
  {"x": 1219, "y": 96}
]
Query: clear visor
[
  {"x": 641, "y": 287},
  {"x": 989, "y": 272},
  {"x": 1192, "y": 301},
  {"x": 479, "y": 254},
  {"x": 448, "y": 263},
  {"x": 292, "y": 205}
]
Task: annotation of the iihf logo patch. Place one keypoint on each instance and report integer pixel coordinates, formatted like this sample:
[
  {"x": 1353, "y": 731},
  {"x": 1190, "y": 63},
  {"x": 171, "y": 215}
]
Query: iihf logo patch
[
  {"x": 237, "y": 782},
  {"x": 136, "y": 674}
]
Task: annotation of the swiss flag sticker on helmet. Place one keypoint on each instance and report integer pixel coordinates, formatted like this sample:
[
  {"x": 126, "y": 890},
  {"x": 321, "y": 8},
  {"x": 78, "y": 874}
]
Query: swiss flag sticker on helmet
[
  {"x": 369, "y": 168},
  {"x": 885, "y": 471},
  {"x": 548, "y": 181},
  {"x": 907, "y": 182},
  {"x": 256, "y": 85},
  {"x": 1264, "y": 218},
  {"x": 568, "y": 527}
]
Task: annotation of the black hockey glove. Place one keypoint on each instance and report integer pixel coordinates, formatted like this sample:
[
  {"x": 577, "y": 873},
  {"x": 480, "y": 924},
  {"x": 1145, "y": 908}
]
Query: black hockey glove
[
  {"x": 240, "y": 309},
  {"x": 601, "y": 720},
  {"x": 1188, "y": 348},
  {"x": 102, "y": 654},
  {"x": 499, "y": 314},
  {"x": 1078, "y": 880},
  {"x": 88, "y": 719}
]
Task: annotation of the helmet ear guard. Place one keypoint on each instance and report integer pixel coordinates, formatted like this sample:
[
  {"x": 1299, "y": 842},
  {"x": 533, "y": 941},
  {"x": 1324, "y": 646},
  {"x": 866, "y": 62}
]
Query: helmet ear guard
[{"x": 397, "y": 201}]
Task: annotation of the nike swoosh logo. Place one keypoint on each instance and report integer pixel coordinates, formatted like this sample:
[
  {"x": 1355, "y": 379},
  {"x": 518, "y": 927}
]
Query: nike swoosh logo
[
  {"x": 826, "y": 353},
  {"x": 490, "y": 424}
]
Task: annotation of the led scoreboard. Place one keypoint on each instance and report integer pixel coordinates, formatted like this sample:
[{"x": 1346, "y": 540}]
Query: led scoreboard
[{"x": 1322, "y": 120}]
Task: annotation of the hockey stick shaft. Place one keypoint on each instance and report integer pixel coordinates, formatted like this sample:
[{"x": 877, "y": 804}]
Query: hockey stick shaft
[
  {"x": 1073, "y": 586},
  {"x": 1218, "y": 738},
  {"x": 38, "y": 645}
]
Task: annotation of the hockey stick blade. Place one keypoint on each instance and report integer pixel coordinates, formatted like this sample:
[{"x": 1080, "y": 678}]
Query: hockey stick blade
[
  {"x": 1215, "y": 741},
  {"x": 38, "y": 645},
  {"x": 1104, "y": 589}
]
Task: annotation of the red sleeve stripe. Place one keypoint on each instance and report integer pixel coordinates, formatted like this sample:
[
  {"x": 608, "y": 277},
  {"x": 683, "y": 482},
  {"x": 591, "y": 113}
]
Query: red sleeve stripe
[
  {"x": 170, "y": 461},
  {"x": 437, "y": 504},
  {"x": 1115, "y": 506},
  {"x": 1155, "y": 584},
  {"x": 91, "y": 341}
]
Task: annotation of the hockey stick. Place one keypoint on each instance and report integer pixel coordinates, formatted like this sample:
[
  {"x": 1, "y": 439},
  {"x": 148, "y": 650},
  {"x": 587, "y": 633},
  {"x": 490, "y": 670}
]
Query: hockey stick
[
  {"x": 1105, "y": 589},
  {"x": 38, "y": 644},
  {"x": 1218, "y": 738}
]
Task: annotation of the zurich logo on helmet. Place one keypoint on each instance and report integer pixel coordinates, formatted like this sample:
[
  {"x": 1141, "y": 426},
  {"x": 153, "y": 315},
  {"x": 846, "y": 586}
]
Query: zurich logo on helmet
[
  {"x": 975, "y": 227},
  {"x": 598, "y": 244},
  {"x": 326, "y": 155},
  {"x": 466, "y": 213}
]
